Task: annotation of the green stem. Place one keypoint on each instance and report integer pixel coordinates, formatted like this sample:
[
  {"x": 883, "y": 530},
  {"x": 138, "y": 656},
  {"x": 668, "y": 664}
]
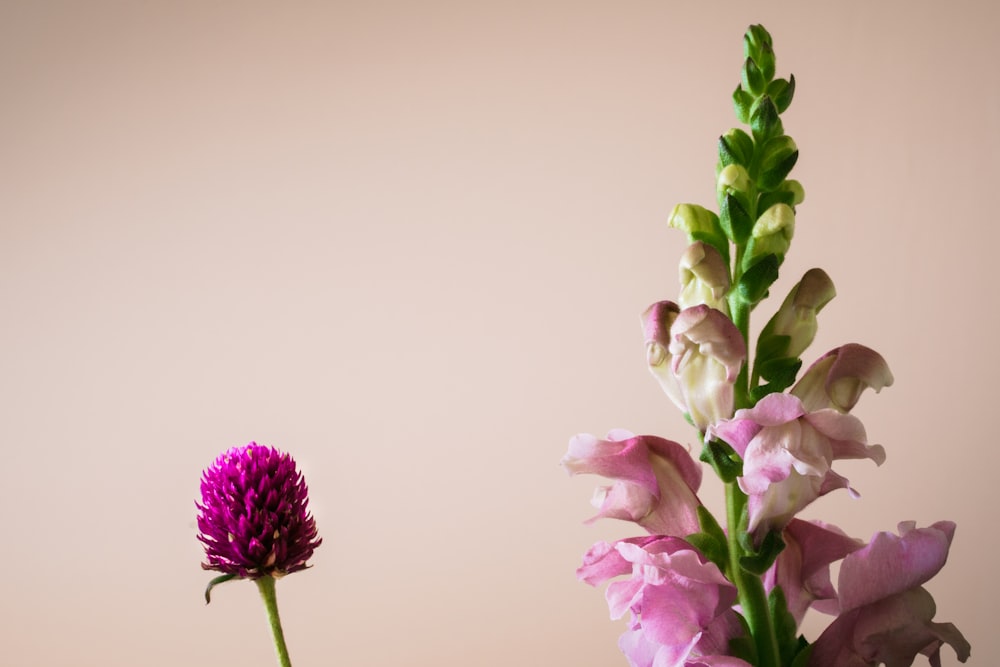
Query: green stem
[
  {"x": 266, "y": 587},
  {"x": 753, "y": 599}
]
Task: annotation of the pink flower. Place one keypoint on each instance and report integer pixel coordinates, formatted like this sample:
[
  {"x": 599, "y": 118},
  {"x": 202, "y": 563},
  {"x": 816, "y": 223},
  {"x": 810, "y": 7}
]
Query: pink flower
[
  {"x": 787, "y": 455},
  {"x": 885, "y": 613},
  {"x": 802, "y": 569},
  {"x": 680, "y": 603},
  {"x": 704, "y": 277},
  {"x": 837, "y": 379},
  {"x": 704, "y": 350},
  {"x": 656, "y": 480}
]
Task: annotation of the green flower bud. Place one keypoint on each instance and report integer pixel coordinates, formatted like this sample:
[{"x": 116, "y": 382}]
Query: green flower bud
[
  {"x": 764, "y": 120},
  {"x": 771, "y": 234},
  {"x": 733, "y": 179},
  {"x": 796, "y": 189},
  {"x": 700, "y": 224}
]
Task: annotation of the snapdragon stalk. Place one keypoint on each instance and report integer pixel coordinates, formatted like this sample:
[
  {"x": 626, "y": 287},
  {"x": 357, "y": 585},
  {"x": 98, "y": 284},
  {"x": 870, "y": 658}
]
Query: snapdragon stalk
[{"x": 751, "y": 172}]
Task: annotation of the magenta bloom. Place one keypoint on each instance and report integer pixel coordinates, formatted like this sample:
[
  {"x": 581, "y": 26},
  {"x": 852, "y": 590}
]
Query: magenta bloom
[
  {"x": 656, "y": 480},
  {"x": 253, "y": 515},
  {"x": 680, "y": 603},
  {"x": 885, "y": 613}
]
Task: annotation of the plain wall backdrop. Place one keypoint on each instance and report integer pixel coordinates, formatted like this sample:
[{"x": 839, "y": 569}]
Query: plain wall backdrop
[{"x": 409, "y": 242}]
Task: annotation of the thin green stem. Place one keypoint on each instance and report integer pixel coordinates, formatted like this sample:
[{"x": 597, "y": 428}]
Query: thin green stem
[
  {"x": 266, "y": 587},
  {"x": 753, "y": 599}
]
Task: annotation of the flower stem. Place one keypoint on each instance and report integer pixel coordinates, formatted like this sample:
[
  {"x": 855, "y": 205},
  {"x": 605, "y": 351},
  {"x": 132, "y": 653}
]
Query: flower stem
[
  {"x": 266, "y": 587},
  {"x": 753, "y": 599}
]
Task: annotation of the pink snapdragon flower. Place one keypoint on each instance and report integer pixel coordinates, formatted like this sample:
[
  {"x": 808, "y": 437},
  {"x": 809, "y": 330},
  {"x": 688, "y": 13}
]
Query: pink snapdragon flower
[
  {"x": 802, "y": 569},
  {"x": 787, "y": 456},
  {"x": 885, "y": 613},
  {"x": 696, "y": 354},
  {"x": 656, "y": 480},
  {"x": 838, "y": 378},
  {"x": 680, "y": 603}
]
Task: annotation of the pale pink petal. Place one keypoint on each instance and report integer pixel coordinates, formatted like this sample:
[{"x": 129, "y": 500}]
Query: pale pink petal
[
  {"x": 838, "y": 378},
  {"x": 890, "y": 564}
]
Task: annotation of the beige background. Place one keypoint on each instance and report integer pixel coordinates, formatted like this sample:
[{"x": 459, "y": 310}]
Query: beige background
[{"x": 409, "y": 242}]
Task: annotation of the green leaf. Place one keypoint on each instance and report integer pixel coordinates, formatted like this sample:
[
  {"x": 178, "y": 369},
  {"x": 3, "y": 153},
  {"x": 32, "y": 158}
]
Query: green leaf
[
  {"x": 215, "y": 582},
  {"x": 743, "y": 646},
  {"x": 802, "y": 657},
  {"x": 789, "y": 644},
  {"x": 724, "y": 460},
  {"x": 742, "y": 103},
  {"x": 755, "y": 282},
  {"x": 779, "y": 373},
  {"x": 764, "y": 120},
  {"x": 713, "y": 550},
  {"x": 758, "y": 561},
  {"x": 735, "y": 221}
]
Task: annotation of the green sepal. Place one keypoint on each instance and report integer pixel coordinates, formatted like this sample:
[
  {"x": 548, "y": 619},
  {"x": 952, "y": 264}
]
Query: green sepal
[
  {"x": 735, "y": 221},
  {"x": 777, "y": 158},
  {"x": 215, "y": 582},
  {"x": 764, "y": 120},
  {"x": 743, "y": 646},
  {"x": 724, "y": 460},
  {"x": 779, "y": 374},
  {"x": 757, "y": 279},
  {"x": 711, "y": 540},
  {"x": 765, "y": 61},
  {"x": 779, "y": 196},
  {"x": 742, "y": 103},
  {"x": 735, "y": 147},
  {"x": 757, "y": 561},
  {"x": 790, "y": 644},
  {"x": 753, "y": 78},
  {"x": 782, "y": 92},
  {"x": 802, "y": 657}
]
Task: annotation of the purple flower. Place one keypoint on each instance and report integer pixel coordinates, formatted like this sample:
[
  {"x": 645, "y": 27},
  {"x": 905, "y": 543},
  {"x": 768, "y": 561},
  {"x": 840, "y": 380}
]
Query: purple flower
[
  {"x": 656, "y": 480},
  {"x": 787, "y": 456},
  {"x": 885, "y": 613},
  {"x": 253, "y": 515},
  {"x": 680, "y": 603}
]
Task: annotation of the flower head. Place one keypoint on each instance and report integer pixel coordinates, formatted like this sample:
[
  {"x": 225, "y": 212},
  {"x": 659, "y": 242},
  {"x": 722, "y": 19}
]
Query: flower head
[
  {"x": 656, "y": 480},
  {"x": 680, "y": 604},
  {"x": 253, "y": 515},
  {"x": 788, "y": 453},
  {"x": 886, "y": 616}
]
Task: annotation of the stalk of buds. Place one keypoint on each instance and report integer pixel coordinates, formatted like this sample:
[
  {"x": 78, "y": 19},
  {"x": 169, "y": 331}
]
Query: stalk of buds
[{"x": 702, "y": 592}]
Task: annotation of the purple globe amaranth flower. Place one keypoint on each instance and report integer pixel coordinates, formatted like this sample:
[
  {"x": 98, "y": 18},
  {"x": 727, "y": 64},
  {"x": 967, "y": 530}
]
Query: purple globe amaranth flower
[
  {"x": 680, "y": 603},
  {"x": 787, "y": 456},
  {"x": 885, "y": 613},
  {"x": 656, "y": 480},
  {"x": 837, "y": 379},
  {"x": 253, "y": 515}
]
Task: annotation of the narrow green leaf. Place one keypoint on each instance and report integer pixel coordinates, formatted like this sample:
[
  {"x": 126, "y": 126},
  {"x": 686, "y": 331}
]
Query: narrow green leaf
[
  {"x": 742, "y": 103},
  {"x": 757, "y": 279},
  {"x": 215, "y": 582}
]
